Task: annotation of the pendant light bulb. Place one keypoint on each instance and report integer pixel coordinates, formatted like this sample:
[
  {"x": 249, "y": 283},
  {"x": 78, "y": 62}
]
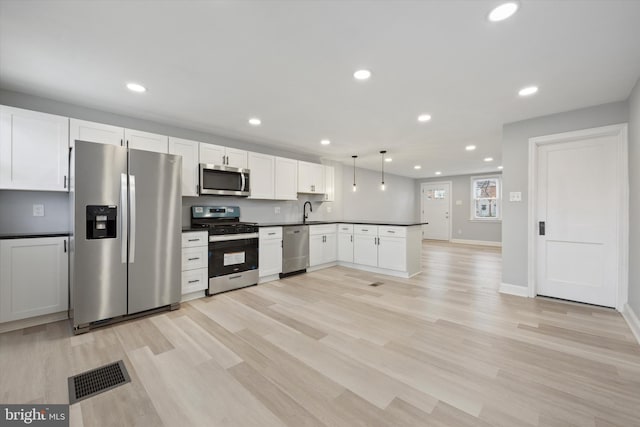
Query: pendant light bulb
[
  {"x": 354, "y": 172},
  {"x": 383, "y": 152}
]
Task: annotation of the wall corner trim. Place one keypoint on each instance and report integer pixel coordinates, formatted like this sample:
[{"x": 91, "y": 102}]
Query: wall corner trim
[
  {"x": 632, "y": 320},
  {"x": 476, "y": 242},
  {"x": 520, "y": 291}
]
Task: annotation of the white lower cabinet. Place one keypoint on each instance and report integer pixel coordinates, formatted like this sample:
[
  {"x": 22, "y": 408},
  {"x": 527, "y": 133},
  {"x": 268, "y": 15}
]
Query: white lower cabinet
[
  {"x": 383, "y": 247},
  {"x": 270, "y": 252},
  {"x": 195, "y": 262},
  {"x": 345, "y": 242},
  {"x": 34, "y": 277},
  {"x": 323, "y": 245}
]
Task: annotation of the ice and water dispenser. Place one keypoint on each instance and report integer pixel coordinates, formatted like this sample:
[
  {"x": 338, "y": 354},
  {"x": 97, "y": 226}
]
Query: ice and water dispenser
[{"x": 101, "y": 221}]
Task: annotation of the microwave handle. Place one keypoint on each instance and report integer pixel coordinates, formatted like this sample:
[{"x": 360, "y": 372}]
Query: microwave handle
[{"x": 243, "y": 181}]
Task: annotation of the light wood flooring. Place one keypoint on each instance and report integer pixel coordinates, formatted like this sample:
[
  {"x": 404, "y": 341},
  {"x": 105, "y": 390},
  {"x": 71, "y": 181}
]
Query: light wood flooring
[{"x": 327, "y": 349}]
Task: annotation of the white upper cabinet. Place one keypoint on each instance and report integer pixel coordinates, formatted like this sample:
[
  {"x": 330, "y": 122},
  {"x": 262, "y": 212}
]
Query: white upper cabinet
[
  {"x": 94, "y": 132},
  {"x": 223, "y": 156},
  {"x": 286, "y": 179},
  {"x": 329, "y": 184},
  {"x": 310, "y": 178},
  {"x": 212, "y": 154},
  {"x": 189, "y": 152},
  {"x": 262, "y": 178},
  {"x": 237, "y": 158},
  {"x": 146, "y": 141},
  {"x": 34, "y": 150}
]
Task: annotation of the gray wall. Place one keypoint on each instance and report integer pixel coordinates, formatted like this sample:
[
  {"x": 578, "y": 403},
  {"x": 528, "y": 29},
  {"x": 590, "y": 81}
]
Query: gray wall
[
  {"x": 515, "y": 153},
  {"x": 396, "y": 204},
  {"x": 16, "y": 211},
  {"x": 463, "y": 228},
  {"x": 634, "y": 199}
]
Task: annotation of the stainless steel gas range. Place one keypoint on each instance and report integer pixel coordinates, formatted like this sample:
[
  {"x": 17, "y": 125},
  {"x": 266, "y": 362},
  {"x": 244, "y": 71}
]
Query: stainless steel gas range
[{"x": 233, "y": 247}]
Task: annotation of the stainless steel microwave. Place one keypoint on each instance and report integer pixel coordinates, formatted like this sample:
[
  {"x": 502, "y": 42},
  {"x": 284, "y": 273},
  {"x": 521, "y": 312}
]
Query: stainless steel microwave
[{"x": 224, "y": 180}]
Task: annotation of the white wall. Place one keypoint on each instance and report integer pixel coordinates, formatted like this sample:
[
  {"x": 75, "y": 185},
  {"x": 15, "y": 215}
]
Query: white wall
[
  {"x": 462, "y": 226},
  {"x": 515, "y": 153},
  {"x": 634, "y": 199}
]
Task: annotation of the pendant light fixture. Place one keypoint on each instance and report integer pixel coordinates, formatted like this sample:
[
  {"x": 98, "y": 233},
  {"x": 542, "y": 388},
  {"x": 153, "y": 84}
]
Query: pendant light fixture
[
  {"x": 383, "y": 152},
  {"x": 354, "y": 172}
]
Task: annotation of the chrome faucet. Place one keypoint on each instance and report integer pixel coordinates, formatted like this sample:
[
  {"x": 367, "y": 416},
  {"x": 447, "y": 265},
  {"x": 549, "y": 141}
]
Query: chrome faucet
[{"x": 305, "y": 215}]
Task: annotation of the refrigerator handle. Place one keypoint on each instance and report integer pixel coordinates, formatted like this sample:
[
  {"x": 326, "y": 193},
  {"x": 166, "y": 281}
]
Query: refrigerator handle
[
  {"x": 124, "y": 216},
  {"x": 132, "y": 238}
]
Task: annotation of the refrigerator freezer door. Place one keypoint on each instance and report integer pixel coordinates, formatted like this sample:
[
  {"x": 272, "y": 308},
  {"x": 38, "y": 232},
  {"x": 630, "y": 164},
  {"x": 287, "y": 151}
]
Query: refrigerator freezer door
[
  {"x": 156, "y": 224},
  {"x": 99, "y": 278}
]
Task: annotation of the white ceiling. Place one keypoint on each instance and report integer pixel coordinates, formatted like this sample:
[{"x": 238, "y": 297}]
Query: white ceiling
[{"x": 210, "y": 66}]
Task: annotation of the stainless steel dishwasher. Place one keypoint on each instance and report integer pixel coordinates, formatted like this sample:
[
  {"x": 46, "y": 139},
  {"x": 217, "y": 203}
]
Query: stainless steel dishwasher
[{"x": 295, "y": 249}]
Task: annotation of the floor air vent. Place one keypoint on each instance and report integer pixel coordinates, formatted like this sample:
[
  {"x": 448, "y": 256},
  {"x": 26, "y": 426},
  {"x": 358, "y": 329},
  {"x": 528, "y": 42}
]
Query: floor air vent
[
  {"x": 376, "y": 284},
  {"x": 96, "y": 381}
]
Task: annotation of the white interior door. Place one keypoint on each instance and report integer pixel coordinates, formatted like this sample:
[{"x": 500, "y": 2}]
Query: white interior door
[
  {"x": 578, "y": 200},
  {"x": 436, "y": 205}
]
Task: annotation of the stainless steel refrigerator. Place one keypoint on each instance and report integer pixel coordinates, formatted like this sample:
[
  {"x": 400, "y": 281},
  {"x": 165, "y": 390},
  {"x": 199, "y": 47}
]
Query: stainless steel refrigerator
[{"x": 126, "y": 238}]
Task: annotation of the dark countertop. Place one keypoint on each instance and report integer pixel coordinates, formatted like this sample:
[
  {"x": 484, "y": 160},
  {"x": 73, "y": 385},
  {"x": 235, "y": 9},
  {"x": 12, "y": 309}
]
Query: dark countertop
[
  {"x": 33, "y": 235},
  {"x": 188, "y": 229},
  {"x": 387, "y": 223}
]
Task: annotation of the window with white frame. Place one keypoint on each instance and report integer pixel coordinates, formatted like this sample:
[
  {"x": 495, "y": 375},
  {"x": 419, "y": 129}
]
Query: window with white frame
[{"x": 486, "y": 198}]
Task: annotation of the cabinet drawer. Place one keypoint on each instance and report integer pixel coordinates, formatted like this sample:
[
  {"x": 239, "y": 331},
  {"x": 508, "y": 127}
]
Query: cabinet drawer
[
  {"x": 195, "y": 238},
  {"x": 367, "y": 230},
  {"x": 270, "y": 233},
  {"x": 323, "y": 229},
  {"x": 194, "y": 280},
  {"x": 193, "y": 258},
  {"x": 392, "y": 231},
  {"x": 345, "y": 228}
]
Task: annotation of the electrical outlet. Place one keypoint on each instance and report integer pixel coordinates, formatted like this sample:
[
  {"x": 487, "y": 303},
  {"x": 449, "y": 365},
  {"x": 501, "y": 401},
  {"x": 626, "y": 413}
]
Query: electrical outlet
[
  {"x": 459, "y": 230},
  {"x": 277, "y": 210},
  {"x": 515, "y": 196},
  {"x": 38, "y": 210},
  {"x": 328, "y": 209}
]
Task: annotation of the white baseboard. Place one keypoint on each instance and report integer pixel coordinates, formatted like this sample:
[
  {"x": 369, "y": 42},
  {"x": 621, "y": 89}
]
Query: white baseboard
[
  {"x": 476, "y": 242},
  {"x": 521, "y": 291},
  {"x": 632, "y": 321},
  {"x": 271, "y": 278},
  {"x": 192, "y": 296}
]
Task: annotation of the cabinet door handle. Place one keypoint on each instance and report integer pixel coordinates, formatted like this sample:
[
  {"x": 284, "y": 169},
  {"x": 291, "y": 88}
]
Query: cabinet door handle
[
  {"x": 65, "y": 245},
  {"x": 351, "y": 238},
  {"x": 392, "y": 232},
  {"x": 194, "y": 240},
  {"x": 194, "y": 281},
  {"x": 65, "y": 181},
  {"x": 271, "y": 234},
  {"x": 193, "y": 259}
]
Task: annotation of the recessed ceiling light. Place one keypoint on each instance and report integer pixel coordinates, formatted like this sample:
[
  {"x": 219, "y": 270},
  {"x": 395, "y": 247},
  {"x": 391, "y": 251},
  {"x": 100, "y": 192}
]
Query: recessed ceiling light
[
  {"x": 438, "y": 173},
  {"x": 500, "y": 167},
  {"x": 362, "y": 74},
  {"x": 503, "y": 11},
  {"x": 325, "y": 142},
  {"x": 528, "y": 91},
  {"x": 135, "y": 87},
  {"x": 424, "y": 118},
  {"x": 488, "y": 159},
  {"x": 254, "y": 121},
  {"x": 470, "y": 147},
  {"x": 388, "y": 159},
  {"x": 417, "y": 167}
]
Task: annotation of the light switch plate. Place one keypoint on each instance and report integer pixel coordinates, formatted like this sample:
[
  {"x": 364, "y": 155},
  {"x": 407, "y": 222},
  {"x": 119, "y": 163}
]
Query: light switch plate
[
  {"x": 458, "y": 202},
  {"x": 276, "y": 210},
  {"x": 515, "y": 196},
  {"x": 328, "y": 209},
  {"x": 38, "y": 210}
]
